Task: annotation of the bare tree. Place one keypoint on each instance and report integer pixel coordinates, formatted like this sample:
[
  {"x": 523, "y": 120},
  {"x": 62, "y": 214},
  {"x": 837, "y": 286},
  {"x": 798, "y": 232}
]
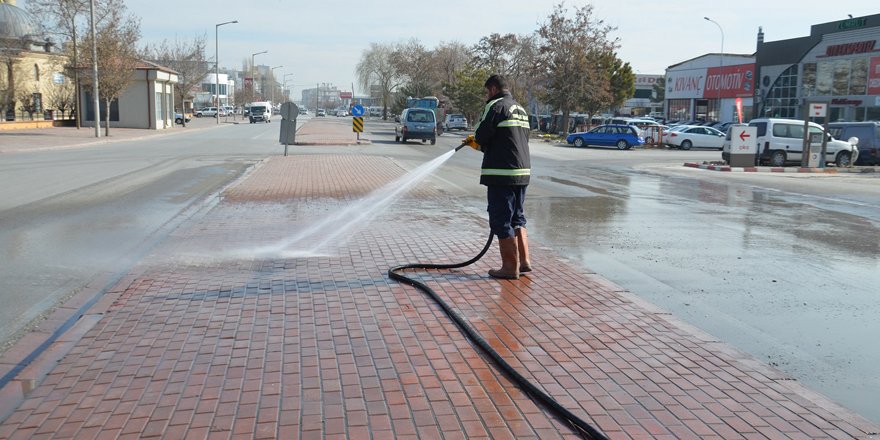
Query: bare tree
[
  {"x": 449, "y": 59},
  {"x": 376, "y": 67},
  {"x": 566, "y": 44},
  {"x": 116, "y": 40},
  {"x": 187, "y": 58},
  {"x": 413, "y": 63},
  {"x": 64, "y": 18},
  {"x": 62, "y": 97}
]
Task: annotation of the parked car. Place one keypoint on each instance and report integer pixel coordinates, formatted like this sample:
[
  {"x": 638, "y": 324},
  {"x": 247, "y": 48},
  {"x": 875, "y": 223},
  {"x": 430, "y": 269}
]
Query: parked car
[
  {"x": 321, "y": 112},
  {"x": 868, "y": 135},
  {"x": 455, "y": 122},
  {"x": 780, "y": 141},
  {"x": 416, "y": 123},
  {"x": 695, "y": 136},
  {"x": 341, "y": 112},
  {"x": 621, "y": 136},
  {"x": 178, "y": 118},
  {"x": 207, "y": 111}
]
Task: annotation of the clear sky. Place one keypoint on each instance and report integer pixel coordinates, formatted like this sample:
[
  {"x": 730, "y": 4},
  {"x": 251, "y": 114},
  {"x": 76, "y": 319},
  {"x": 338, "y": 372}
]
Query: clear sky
[{"x": 322, "y": 41}]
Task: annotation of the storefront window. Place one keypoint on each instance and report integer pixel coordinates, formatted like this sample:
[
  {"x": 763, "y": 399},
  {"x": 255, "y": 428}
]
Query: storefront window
[
  {"x": 809, "y": 79},
  {"x": 858, "y": 83},
  {"x": 679, "y": 109},
  {"x": 781, "y": 100},
  {"x": 840, "y": 85},
  {"x": 824, "y": 78}
]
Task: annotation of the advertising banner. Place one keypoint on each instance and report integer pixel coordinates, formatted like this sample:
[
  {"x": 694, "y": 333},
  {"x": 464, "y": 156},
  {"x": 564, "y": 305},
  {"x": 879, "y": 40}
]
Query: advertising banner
[
  {"x": 733, "y": 81},
  {"x": 736, "y": 81},
  {"x": 685, "y": 84},
  {"x": 874, "y": 77}
]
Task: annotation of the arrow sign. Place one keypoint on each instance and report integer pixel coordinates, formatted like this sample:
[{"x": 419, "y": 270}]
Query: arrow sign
[{"x": 744, "y": 135}]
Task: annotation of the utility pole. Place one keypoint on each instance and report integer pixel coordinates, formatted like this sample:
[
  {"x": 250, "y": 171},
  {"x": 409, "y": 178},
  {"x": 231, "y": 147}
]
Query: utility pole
[{"x": 95, "y": 72}]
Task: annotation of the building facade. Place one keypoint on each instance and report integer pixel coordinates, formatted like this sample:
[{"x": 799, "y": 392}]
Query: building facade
[
  {"x": 147, "y": 102},
  {"x": 642, "y": 103},
  {"x": 711, "y": 87},
  {"x": 207, "y": 95},
  {"x": 838, "y": 63},
  {"x": 32, "y": 81}
]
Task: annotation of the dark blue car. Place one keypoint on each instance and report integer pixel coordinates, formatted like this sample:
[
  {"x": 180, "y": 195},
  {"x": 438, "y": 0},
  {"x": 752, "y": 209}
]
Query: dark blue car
[{"x": 623, "y": 137}]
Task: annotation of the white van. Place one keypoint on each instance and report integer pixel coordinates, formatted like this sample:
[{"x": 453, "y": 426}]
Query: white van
[
  {"x": 780, "y": 141},
  {"x": 260, "y": 112}
]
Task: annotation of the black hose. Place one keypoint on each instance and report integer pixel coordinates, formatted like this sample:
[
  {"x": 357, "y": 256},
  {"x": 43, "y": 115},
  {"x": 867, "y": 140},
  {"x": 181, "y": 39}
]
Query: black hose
[{"x": 582, "y": 428}]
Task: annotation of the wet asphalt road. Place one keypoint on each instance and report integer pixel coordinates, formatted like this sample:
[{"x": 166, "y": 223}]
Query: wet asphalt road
[{"x": 783, "y": 267}]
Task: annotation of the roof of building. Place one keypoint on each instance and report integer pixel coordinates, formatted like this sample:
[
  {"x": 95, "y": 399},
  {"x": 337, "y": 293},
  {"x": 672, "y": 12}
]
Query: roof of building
[
  {"x": 726, "y": 56},
  {"x": 16, "y": 23}
]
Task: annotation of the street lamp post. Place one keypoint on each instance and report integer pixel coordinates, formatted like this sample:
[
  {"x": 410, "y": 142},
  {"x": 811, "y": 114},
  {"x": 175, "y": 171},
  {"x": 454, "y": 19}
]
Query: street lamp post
[
  {"x": 721, "y": 78},
  {"x": 284, "y": 85},
  {"x": 274, "y": 82},
  {"x": 253, "y": 79},
  {"x": 217, "y": 67}
]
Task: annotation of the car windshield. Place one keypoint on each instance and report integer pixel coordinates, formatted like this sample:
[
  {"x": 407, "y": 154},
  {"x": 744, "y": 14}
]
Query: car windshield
[
  {"x": 258, "y": 109},
  {"x": 417, "y": 116}
]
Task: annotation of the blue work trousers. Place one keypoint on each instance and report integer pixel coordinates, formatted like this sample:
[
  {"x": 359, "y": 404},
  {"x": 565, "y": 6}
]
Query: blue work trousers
[{"x": 506, "y": 209}]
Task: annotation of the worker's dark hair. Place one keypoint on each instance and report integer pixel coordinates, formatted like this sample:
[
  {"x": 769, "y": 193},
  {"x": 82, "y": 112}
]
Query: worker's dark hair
[{"x": 497, "y": 81}]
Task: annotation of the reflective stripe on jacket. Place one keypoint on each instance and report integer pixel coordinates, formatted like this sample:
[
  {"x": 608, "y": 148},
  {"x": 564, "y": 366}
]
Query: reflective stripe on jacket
[{"x": 503, "y": 135}]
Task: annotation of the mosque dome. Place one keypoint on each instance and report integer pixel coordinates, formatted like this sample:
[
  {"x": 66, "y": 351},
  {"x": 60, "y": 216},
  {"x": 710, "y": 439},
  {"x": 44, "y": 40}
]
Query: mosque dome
[{"x": 16, "y": 23}]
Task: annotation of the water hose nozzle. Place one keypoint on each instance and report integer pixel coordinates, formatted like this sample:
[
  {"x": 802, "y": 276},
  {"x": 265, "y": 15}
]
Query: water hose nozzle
[{"x": 460, "y": 146}]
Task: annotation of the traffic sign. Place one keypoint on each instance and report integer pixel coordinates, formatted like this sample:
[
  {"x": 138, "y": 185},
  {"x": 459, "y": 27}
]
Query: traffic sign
[
  {"x": 357, "y": 124},
  {"x": 357, "y": 110},
  {"x": 289, "y": 111}
]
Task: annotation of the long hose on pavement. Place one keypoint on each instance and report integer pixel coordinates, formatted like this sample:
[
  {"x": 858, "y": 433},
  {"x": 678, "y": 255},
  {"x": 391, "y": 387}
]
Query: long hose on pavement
[{"x": 581, "y": 427}]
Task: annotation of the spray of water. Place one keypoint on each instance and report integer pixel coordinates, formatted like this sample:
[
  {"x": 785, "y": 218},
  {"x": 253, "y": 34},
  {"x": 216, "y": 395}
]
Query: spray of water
[{"x": 351, "y": 218}]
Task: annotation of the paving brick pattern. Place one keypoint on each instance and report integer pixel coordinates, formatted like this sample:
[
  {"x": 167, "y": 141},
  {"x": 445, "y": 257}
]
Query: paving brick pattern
[{"x": 201, "y": 343}]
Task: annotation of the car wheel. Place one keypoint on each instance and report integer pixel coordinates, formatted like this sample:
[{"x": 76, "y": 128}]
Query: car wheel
[
  {"x": 649, "y": 140},
  {"x": 686, "y": 145},
  {"x": 178, "y": 121},
  {"x": 777, "y": 159},
  {"x": 198, "y": 115},
  {"x": 578, "y": 142},
  {"x": 433, "y": 141},
  {"x": 622, "y": 145},
  {"x": 843, "y": 159}
]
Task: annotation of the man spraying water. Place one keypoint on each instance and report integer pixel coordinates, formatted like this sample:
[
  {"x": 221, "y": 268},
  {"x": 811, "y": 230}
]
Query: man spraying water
[{"x": 502, "y": 134}]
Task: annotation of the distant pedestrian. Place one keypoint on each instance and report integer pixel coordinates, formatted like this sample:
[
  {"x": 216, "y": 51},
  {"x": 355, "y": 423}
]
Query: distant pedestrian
[{"x": 502, "y": 134}]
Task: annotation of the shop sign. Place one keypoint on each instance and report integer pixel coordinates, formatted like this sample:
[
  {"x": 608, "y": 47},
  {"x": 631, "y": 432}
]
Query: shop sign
[
  {"x": 683, "y": 85},
  {"x": 853, "y": 23},
  {"x": 730, "y": 81},
  {"x": 874, "y": 77},
  {"x": 836, "y": 50},
  {"x": 841, "y": 101}
]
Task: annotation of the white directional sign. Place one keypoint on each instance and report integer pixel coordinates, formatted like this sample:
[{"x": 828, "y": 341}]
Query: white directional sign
[
  {"x": 818, "y": 110},
  {"x": 743, "y": 140}
]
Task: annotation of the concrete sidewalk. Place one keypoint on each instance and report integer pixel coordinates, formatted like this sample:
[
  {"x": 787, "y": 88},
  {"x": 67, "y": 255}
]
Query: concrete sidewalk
[
  {"x": 55, "y": 138},
  {"x": 205, "y": 340}
]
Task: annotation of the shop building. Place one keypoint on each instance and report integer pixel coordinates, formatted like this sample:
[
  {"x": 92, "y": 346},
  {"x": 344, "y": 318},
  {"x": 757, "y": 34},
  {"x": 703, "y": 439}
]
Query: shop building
[
  {"x": 711, "y": 87},
  {"x": 838, "y": 63},
  {"x": 643, "y": 101}
]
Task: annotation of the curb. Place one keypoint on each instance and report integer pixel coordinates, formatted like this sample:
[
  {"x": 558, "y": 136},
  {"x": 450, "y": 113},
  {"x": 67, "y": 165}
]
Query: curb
[{"x": 793, "y": 170}]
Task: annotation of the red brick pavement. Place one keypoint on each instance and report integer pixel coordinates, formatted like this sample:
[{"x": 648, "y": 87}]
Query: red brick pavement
[
  {"x": 331, "y": 131},
  {"x": 202, "y": 343}
]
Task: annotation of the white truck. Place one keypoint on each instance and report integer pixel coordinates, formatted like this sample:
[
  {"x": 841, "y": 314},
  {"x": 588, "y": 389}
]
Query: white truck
[{"x": 260, "y": 112}]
